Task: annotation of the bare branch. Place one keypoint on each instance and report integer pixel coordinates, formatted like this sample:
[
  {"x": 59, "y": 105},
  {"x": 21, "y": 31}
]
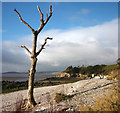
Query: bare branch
[
  {"x": 47, "y": 18},
  {"x": 50, "y": 14},
  {"x": 42, "y": 46},
  {"x": 26, "y": 49},
  {"x": 50, "y": 9},
  {"x": 23, "y": 20},
  {"x": 42, "y": 21},
  {"x": 47, "y": 14}
]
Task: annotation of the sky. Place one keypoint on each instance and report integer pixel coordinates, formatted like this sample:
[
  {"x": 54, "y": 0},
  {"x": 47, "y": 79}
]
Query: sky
[{"x": 84, "y": 33}]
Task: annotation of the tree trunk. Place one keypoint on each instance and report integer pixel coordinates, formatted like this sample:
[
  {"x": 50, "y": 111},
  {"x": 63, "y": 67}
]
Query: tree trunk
[{"x": 31, "y": 100}]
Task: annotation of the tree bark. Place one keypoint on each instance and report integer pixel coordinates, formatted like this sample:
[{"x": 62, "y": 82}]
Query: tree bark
[{"x": 31, "y": 100}]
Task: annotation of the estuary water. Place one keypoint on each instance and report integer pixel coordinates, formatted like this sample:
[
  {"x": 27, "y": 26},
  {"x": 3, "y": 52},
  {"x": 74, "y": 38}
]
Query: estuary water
[{"x": 24, "y": 76}]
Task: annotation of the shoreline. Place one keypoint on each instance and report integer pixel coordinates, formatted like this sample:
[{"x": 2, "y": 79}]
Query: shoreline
[
  {"x": 12, "y": 86},
  {"x": 86, "y": 88}
]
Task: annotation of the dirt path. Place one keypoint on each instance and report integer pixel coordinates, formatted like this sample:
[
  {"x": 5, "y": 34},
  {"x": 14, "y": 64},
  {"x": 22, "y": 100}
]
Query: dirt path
[{"x": 89, "y": 90}]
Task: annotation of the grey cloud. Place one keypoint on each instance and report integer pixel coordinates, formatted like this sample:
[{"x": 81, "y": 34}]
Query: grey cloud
[
  {"x": 13, "y": 57},
  {"x": 76, "y": 46}
]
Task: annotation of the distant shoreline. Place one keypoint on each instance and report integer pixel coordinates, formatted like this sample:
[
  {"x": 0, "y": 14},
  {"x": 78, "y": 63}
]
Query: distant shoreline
[
  {"x": 27, "y": 72},
  {"x": 16, "y": 76},
  {"x": 11, "y": 86}
]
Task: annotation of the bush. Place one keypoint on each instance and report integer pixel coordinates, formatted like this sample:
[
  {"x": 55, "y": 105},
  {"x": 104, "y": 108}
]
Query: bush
[
  {"x": 107, "y": 69},
  {"x": 10, "y": 86},
  {"x": 19, "y": 105},
  {"x": 96, "y": 69},
  {"x": 61, "y": 97}
]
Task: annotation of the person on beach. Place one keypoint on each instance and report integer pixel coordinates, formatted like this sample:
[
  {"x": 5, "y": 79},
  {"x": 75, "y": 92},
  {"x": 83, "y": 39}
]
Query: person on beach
[
  {"x": 101, "y": 76},
  {"x": 92, "y": 76}
]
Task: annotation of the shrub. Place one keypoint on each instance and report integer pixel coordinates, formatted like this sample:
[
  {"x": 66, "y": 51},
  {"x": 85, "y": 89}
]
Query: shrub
[
  {"x": 10, "y": 86},
  {"x": 61, "y": 97},
  {"x": 20, "y": 104}
]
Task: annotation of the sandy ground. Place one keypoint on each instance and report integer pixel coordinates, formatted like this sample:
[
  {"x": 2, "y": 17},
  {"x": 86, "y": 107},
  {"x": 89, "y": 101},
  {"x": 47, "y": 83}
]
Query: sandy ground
[{"x": 85, "y": 91}]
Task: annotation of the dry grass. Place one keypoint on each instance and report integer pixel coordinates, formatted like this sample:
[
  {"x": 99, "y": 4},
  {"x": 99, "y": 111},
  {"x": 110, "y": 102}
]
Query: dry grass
[
  {"x": 113, "y": 75},
  {"x": 50, "y": 102},
  {"x": 109, "y": 102},
  {"x": 84, "y": 108},
  {"x": 20, "y": 103}
]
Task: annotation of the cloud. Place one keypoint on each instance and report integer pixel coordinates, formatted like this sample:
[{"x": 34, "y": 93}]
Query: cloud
[
  {"x": 13, "y": 57},
  {"x": 78, "y": 14},
  {"x": 85, "y": 11},
  {"x": 76, "y": 46}
]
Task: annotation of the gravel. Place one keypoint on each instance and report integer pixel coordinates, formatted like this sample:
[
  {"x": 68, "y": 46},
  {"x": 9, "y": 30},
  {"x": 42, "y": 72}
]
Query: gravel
[{"x": 85, "y": 91}]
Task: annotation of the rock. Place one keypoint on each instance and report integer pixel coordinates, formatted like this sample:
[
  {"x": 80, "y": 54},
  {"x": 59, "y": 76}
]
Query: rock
[
  {"x": 64, "y": 109},
  {"x": 43, "y": 108},
  {"x": 63, "y": 74}
]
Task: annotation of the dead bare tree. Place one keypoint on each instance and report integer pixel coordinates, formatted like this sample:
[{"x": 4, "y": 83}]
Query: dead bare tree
[{"x": 31, "y": 101}]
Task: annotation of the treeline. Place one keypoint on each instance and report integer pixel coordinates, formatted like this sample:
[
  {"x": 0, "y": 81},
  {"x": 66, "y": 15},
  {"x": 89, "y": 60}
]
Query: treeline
[
  {"x": 11, "y": 86},
  {"x": 96, "y": 69}
]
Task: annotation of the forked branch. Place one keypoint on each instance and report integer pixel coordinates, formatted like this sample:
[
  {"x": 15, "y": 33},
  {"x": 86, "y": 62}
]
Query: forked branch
[
  {"x": 50, "y": 14},
  {"x": 42, "y": 21},
  {"x": 26, "y": 49},
  {"x": 47, "y": 18},
  {"x": 43, "y": 45},
  {"x": 23, "y": 20}
]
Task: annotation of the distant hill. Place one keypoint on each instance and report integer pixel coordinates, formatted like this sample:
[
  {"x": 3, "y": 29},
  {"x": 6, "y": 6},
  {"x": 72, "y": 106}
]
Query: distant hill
[
  {"x": 10, "y": 72},
  {"x": 96, "y": 69},
  {"x": 87, "y": 71},
  {"x": 13, "y": 72}
]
